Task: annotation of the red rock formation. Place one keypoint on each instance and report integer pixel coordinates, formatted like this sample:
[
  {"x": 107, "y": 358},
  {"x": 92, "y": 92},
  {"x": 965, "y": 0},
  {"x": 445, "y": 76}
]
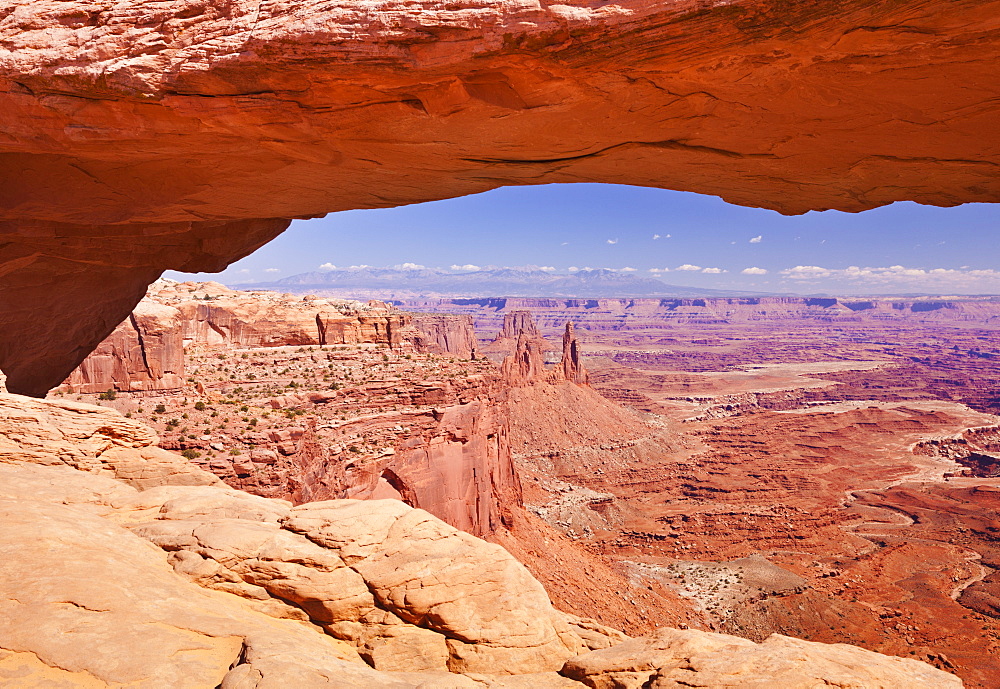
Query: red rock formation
[
  {"x": 146, "y": 352},
  {"x": 460, "y": 470},
  {"x": 635, "y": 313},
  {"x": 455, "y": 463},
  {"x": 215, "y": 315},
  {"x": 572, "y": 369},
  {"x": 66, "y": 287},
  {"x": 527, "y": 364},
  {"x": 121, "y": 125},
  {"x": 438, "y": 333},
  {"x": 515, "y": 324}
]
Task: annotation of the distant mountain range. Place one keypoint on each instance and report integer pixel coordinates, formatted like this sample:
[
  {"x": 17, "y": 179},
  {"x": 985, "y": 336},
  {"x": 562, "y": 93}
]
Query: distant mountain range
[{"x": 500, "y": 282}]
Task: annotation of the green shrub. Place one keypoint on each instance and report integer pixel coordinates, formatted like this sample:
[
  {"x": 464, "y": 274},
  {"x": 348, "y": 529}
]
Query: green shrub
[{"x": 109, "y": 394}]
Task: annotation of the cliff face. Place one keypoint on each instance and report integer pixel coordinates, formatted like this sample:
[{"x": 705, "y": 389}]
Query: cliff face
[
  {"x": 144, "y": 353},
  {"x": 453, "y": 459},
  {"x": 515, "y": 324},
  {"x": 451, "y": 456},
  {"x": 442, "y": 334},
  {"x": 215, "y": 315},
  {"x": 149, "y": 135},
  {"x": 619, "y": 314}
]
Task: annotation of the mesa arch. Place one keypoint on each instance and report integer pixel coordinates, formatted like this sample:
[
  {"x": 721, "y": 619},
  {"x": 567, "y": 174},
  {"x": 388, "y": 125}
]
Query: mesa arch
[{"x": 141, "y": 136}]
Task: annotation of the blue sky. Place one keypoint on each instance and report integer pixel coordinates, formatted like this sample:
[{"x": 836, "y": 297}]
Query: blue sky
[{"x": 679, "y": 237}]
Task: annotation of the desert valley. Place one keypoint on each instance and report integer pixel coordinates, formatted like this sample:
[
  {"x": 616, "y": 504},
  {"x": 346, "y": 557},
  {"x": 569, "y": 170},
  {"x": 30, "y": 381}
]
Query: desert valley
[{"x": 818, "y": 468}]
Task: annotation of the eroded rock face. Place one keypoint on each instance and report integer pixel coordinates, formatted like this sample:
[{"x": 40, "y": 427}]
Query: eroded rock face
[
  {"x": 572, "y": 368},
  {"x": 209, "y": 313},
  {"x": 91, "y": 439},
  {"x": 202, "y": 585},
  {"x": 147, "y": 136},
  {"x": 67, "y": 287},
  {"x": 145, "y": 352},
  {"x": 442, "y": 334},
  {"x": 675, "y": 658}
]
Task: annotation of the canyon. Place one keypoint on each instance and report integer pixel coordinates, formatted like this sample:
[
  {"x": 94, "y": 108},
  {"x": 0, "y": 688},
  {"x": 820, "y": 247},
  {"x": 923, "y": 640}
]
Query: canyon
[
  {"x": 300, "y": 490},
  {"x": 786, "y": 468},
  {"x": 154, "y": 574}
]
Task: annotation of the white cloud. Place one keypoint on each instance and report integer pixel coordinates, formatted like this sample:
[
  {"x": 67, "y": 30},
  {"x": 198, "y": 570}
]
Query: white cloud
[
  {"x": 572, "y": 269},
  {"x": 467, "y": 266},
  {"x": 757, "y": 239},
  {"x": 668, "y": 236},
  {"x": 243, "y": 271},
  {"x": 902, "y": 277},
  {"x": 564, "y": 243},
  {"x": 409, "y": 266},
  {"x": 360, "y": 267},
  {"x": 714, "y": 271},
  {"x": 547, "y": 269},
  {"x": 613, "y": 241},
  {"x": 754, "y": 271},
  {"x": 656, "y": 236},
  {"x": 271, "y": 270},
  {"x": 807, "y": 272},
  {"x": 328, "y": 266},
  {"x": 628, "y": 269},
  {"x": 688, "y": 266}
]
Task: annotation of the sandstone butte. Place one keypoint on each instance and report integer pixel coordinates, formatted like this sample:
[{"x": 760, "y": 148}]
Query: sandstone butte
[
  {"x": 140, "y": 136},
  {"x": 155, "y": 574}
]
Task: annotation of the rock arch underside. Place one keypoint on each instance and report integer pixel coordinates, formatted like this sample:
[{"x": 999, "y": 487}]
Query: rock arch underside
[{"x": 142, "y": 136}]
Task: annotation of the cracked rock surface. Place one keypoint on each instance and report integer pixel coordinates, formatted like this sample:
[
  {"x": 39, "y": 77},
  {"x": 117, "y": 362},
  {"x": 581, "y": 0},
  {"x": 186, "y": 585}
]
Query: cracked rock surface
[{"x": 111, "y": 581}]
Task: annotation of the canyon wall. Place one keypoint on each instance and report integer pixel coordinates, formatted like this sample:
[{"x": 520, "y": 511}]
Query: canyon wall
[
  {"x": 146, "y": 351},
  {"x": 454, "y": 459},
  {"x": 622, "y": 314},
  {"x": 442, "y": 334}
]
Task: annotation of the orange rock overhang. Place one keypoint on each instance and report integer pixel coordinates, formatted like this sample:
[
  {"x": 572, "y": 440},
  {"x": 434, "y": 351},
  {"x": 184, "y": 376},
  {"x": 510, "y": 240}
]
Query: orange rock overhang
[{"x": 141, "y": 136}]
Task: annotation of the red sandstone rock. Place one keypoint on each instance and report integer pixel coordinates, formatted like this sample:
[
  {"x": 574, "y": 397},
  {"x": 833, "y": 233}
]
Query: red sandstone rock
[
  {"x": 572, "y": 369},
  {"x": 527, "y": 364},
  {"x": 515, "y": 324},
  {"x": 442, "y": 334},
  {"x": 146, "y": 352}
]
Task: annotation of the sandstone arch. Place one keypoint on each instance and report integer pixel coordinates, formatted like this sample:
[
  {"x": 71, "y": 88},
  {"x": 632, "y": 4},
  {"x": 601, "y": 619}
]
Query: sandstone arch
[{"x": 145, "y": 135}]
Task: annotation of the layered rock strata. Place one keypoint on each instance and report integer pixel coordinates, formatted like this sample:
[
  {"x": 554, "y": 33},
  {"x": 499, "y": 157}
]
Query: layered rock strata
[
  {"x": 146, "y": 351},
  {"x": 610, "y": 315},
  {"x": 154, "y": 583},
  {"x": 442, "y": 334}
]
